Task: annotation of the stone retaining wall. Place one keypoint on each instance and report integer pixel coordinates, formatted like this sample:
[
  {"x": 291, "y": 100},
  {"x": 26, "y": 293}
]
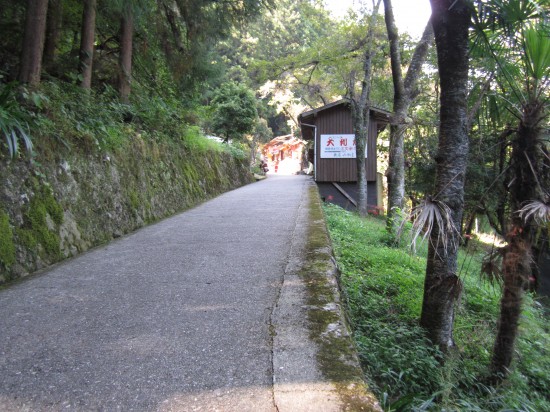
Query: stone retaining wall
[{"x": 64, "y": 202}]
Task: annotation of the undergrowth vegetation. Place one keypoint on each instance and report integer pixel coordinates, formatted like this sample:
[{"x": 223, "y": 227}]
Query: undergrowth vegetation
[
  {"x": 383, "y": 287},
  {"x": 91, "y": 120}
]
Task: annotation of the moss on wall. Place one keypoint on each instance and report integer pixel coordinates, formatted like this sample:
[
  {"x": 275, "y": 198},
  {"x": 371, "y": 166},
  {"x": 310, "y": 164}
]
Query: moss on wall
[
  {"x": 7, "y": 247},
  {"x": 43, "y": 216},
  {"x": 336, "y": 356},
  {"x": 67, "y": 201}
]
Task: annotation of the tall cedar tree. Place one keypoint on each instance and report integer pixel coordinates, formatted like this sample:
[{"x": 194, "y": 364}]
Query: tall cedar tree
[
  {"x": 405, "y": 91},
  {"x": 53, "y": 32},
  {"x": 451, "y": 20},
  {"x": 125, "y": 57},
  {"x": 33, "y": 42},
  {"x": 87, "y": 43}
]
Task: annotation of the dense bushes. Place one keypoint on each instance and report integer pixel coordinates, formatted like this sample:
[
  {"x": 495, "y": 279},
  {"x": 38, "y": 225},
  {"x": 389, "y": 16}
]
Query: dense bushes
[{"x": 90, "y": 121}]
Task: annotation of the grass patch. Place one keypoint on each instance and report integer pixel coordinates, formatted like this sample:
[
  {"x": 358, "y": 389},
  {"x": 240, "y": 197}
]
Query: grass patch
[{"x": 383, "y": 288}]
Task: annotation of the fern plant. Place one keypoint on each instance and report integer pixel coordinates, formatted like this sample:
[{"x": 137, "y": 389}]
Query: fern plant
[{"x": 13, "y": 126}]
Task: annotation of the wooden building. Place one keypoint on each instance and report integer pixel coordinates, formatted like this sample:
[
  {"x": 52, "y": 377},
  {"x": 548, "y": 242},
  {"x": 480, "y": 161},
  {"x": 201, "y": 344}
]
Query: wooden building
[{"x": 330, "y": 127}]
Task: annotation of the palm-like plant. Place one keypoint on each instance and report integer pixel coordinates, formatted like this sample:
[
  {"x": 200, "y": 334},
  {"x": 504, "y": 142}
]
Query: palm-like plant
[
  {"x": 12, "y": 121},
  {"x": 431, "y": 217},
  {"x": 516, "y": 34},
  {"x": 537, "y": 211}
]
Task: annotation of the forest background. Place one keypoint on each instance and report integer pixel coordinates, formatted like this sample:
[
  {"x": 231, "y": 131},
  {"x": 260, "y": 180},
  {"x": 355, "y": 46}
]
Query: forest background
[{"x": 92, "y": 75}]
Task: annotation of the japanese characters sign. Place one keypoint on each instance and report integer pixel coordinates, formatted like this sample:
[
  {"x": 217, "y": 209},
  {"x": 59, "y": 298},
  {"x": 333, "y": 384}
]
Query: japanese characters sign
[{"x": 338, "y": 146}]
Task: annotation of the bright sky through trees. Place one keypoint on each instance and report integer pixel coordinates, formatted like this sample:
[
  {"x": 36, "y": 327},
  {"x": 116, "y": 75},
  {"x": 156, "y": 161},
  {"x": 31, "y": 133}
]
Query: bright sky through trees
[{"x": 410, "y": 15}]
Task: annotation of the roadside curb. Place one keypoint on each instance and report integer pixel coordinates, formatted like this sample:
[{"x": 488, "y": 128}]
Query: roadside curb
[{"x": 315, "y": 362}]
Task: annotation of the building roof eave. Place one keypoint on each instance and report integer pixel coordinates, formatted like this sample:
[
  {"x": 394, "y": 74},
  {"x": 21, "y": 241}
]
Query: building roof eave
[{"x": 380, "y": 115}]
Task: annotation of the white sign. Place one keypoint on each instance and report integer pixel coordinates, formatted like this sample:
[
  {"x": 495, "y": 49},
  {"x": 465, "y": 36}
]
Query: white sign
[{"x": 338, "y": 146}]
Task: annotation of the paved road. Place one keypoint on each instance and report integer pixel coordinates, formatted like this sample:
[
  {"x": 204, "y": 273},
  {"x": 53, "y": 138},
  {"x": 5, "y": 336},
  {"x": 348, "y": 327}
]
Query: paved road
[{"x": 177, "y": 316}]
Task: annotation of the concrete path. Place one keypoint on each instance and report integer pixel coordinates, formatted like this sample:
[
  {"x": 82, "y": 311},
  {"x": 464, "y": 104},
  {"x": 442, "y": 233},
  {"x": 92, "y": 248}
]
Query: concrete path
[{"x": 182, "y": 315}]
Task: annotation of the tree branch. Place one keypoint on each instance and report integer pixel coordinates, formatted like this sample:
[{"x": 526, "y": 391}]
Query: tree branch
[
  {"x": 418, "y": 59},
  {"x": 395, "y": 52}
]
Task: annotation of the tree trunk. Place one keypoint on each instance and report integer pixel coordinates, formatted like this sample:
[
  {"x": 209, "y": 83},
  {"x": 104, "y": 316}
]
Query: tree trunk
[
  {"x": 503, "y": 198},
  {"x": 53, "y": 31},
  {"x": 125, "y": 58},
  {"x": 361, "y": 136},
  {"x": 442, "y": 287},
  {"x": 404, "y": 93},
  {"x": 516, "y": 269},
  {"x": 172, "y": 18},
  {"x": 470, "y": 226},
  {"x": 33, "y": 42},
  {"x": 87, "y": 39},
  {"x": 361, "y": 114},
  {"x": 531, "y": 176}
]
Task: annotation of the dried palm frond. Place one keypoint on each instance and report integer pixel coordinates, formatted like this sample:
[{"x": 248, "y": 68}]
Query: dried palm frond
[
  {"x": 491, "y": 266},
  {"x": 429, "y": 215},
  {"x": 536, "y": 210}
]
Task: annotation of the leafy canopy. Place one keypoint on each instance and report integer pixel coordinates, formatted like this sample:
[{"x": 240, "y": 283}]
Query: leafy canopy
[{"x": 235, "y": 111}]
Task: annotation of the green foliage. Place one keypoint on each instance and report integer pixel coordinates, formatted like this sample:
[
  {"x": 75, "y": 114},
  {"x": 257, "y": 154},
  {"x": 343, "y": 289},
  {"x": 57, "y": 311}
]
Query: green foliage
[
  {"x": 537, "y": 56},
  {"x": 516, "y": 36},
  {"x": 194, "y": 140},
  {"x": 383, "y": 288},
  {"x": 7, "y": 247},
  {"x": 235, "y": 111},
  {"x": 13, "y": 120},
  {"x": 262, "y": 132},
  {"x": 82, "y": 119},
  {"x": 99, "y": 122},
  {"x": 320, "y": 69},
  {"x": 237, "y": 150}
]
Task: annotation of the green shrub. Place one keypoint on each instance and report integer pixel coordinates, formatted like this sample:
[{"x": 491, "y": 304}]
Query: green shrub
[
  {"x": 237, "y": 150},
  {"x": 194, "y": 140},
  {"x": 93, "y": 120}
]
